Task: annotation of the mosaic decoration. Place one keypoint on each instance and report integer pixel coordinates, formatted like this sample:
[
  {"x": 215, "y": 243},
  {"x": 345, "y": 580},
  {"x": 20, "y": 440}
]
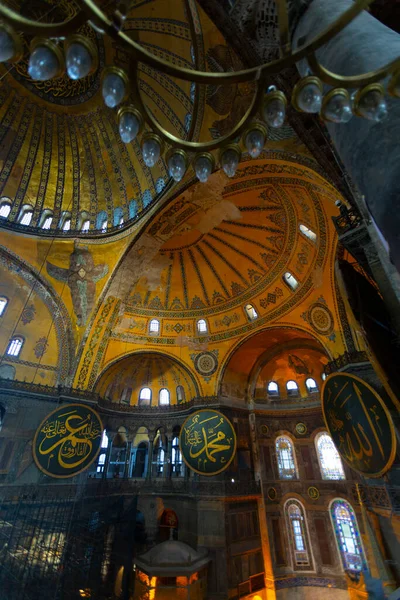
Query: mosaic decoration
[
  {"x": 359, "y": 424},
  {"x": 271, "y": 297},
  {"x": 28, "y": 314},
  {"x": 206, "y": 363},
  {"x": 227, "y": 320},
  {"x": 67, "y": 441},
  {"x": 40, "y": 347},
  {"x": 81, "y": 278},
  {"x": 320, "y": 318},
  {"x": 313, "y": 493},
  {"x": 207, "y": 442},
  {"x": 301, "y": 428}
]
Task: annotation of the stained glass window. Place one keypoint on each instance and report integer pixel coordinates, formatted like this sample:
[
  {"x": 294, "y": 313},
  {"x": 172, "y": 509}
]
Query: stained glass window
[
  {"x": 285, "y": 456},
  {"x": 297, "y": 532},
  {"x": 329, "y": 459},
  {"x": 347, "y": 535}
]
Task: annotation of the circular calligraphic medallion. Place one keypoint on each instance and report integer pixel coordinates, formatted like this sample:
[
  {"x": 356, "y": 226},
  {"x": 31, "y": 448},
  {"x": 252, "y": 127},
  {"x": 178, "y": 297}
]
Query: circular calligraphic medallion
[
  {"x": 313, "y": 492},
  {"x": 68, "y": 440},
  {"x": 359, "y": 423},
  {"x": 206, "y": 363},
  {"x": 321, "y": 318},
  {"x": 272, "y": 495},
  {"x": 207, "y": 442},
  {"x": 264, "y": 429},
  {"x": 301, "y": 428}
]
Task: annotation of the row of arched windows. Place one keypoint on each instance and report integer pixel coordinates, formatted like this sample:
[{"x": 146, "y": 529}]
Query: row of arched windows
[
  {"x": 328, "y": 458},
  {"x": 201, "y": 326},
  {"x": 346, "y": 531},
  {"x": 146, "y": 395},
  {"x": 17, "y": 341},
  {"x": 292, "y": 387}
]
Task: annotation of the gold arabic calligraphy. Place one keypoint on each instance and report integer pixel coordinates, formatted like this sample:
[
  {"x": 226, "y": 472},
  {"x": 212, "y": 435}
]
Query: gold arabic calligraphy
[
  {"x": 73, "y": 437},
  {"x": 206, "y": 440}
]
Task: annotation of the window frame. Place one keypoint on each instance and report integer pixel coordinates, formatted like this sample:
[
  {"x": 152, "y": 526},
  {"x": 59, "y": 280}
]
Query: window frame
[
  {"x": 205, "y": 332},
  {"x": 3, "y": 310},
  {"x": 305, "y": 231},
  {"x": 164, "y": 389},
  {"x": 293, "y": 287},
  {"x": 281, "y": 471},
  {"x": 322, "y": 469},
  {"x": 19, "y": 338},
  {"x": 353, "y": 519},
  {"x": 155, "y": 333},
  {"x": 5, "y": 201},
  {"x": 250, "y": 307},
  {"x": 25, "y": 209},
  {"x": 313, "y": 390},
  {"x": 274, "y": 393},
  {"x": 182, "y": 399},
  {"x": 292, "y": 391},
  {"x": 297, "y": 554},
  {"x": 145, "y": 387}
]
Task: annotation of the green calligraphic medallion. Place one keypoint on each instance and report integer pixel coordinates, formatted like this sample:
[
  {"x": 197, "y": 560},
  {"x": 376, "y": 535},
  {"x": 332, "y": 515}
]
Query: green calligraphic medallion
[
  {"x": 208, "y": 442},
  {"x": 359, "y": 423},
  {"x": 68, "y": 440}
]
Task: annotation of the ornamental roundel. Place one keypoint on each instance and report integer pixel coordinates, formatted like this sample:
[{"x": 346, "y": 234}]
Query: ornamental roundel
[
  {"x": 321, "y": 319},
  {"x": 313, "y": 493},
  {"x": 206, "y": 363},
  {"x": 301, "y": 428},
  {"x": 67, "y": 441}
]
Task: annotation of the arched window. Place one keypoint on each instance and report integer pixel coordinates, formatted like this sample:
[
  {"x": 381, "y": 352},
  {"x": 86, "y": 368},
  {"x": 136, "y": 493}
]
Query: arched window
[
  {"x": 85, "y": 226},
  {"x": 65, "y": 221},
  {"x": 145, "y": 397},
  {"x": 251, "y": 312},
  {"x": 180, "y": 394},
  {"x": 160, "y": 455},
  {"x": 104, "y": 226},
  {"x": 101, "y": 221},
  {"x": 154, "y": 326},
  {"x": 26, "y": 214},
  {"x": 103, "y": 453},
  {"x": 308, "y": 233},
  {"x": 329, "y": 459},
  {"x": 311, "y": 385},
  {"x": 298, "y": 533},
  {"x": 290, "y": 280},
  {"x": 83, "y": 222},
  {"x": 118, "y": 217},
  {"x": 133, "y": 209},
  {"x": 126, "y": 395},
  {"x": 273, "y": 389},
  {"x": 46, "y": 221},
  {"x": 285, "y": 457},
  {"x": 15, "y": 346},
  {"x": 347, "y": 535},
  {"x": 323, "y": 376},
  {"x": 176, "y": 457},
  {"x": 292, "y": 388},
  {"x": 163, "y": 398},
  {"x": 5, "y": 208},
  {"x": 3, "y": 304},
  {"x": 202, "y": 326}
]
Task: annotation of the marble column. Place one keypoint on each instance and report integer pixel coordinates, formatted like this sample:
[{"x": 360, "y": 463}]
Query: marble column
[{"x": 370, "y": 151}]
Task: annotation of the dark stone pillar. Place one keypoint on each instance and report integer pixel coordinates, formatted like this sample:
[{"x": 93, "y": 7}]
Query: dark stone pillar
[{"x": 370, "y": 151}]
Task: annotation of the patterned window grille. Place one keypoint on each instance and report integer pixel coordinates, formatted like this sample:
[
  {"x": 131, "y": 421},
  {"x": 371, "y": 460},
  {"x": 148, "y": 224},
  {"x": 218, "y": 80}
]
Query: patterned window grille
[
  {"x": 251, "y": 312},
  {"x": 154, "y": 326},
  {"x": 329, "y": 459},
  {"x": 285, "y": 456},
  {"x": 5, "y": 209},
  {"x": 311, "y": 385},
  {"x": 26, "y": 217},
  {"x": 15, "y": 346},
  {"x": 347, "y": 536},
  {"x": 297, "y": 533},
  {"x": 202, "y": 326}
]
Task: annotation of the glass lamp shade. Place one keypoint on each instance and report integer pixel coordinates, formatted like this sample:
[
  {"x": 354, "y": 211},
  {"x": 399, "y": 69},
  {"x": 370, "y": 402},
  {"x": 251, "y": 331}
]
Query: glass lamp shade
[
  {"x": 7, "y": 46},
  {"x": 336, "y": 106},
  {"x": 78, "y": 61},
  {"x": 128, "y": 126},
  {"x": 274, "y": 109},
  {"x": 307, "y": 95},
  {"x": 370, "y": 103},
  {"x": 177, "y": 164},
  {"x": 151, "y": 151},
  {"x": 44, "y": 63},
  {"x": 230, "y": 161},
  {"x": 255, "y": 141},
  {"x": 113, "y": 88},
  {"x": 203, "y": 166}
]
